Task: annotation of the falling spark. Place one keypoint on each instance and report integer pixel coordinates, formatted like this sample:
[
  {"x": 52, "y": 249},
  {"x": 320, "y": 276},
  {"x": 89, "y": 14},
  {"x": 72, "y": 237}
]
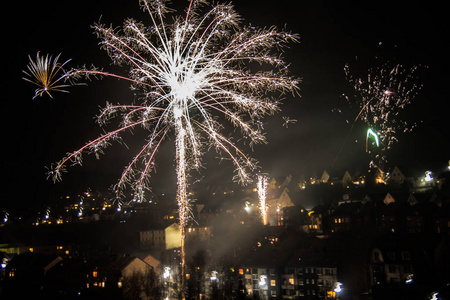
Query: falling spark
[
  {"x": 288, "y": 121},
  {"x": 186, "y": 74},
  {"x": 262, "y": 193}
]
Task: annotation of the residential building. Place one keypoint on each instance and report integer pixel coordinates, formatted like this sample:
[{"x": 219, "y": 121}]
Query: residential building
[
  {"x": 308, "y": 275},
  {"x": 163, "y": 237}
]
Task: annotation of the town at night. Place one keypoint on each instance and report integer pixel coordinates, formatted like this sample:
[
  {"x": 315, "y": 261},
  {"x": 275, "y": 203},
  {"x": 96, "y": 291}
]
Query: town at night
[{"x": 225, "y": 150}]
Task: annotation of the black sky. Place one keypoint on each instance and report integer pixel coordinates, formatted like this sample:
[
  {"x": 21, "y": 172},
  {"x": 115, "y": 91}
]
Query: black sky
[{"x": 332, "y": 33}]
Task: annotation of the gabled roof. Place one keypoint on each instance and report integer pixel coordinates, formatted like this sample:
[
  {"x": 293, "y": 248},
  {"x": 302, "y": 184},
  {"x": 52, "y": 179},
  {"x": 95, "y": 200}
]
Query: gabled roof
[
  {"x": 34, "y": 263},
  {"x": 121, "y": 263}
]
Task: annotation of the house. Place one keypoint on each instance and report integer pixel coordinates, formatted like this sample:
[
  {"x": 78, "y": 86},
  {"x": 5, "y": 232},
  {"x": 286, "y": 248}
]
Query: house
[
  {"x": 442, "y": 219},
  {"x": 344, "y": 216},
  {"x": 125, "y": 266},
  {"x": 28, "y": 270},
  {"x": 319, "y": 218},
  {"x": 261, "y": 274},
  {"x": 308, "y": 274},
  {"x": 346, "y": 180},
  {"x": 325, "y": 177},
  {"x": 294, "y": 217},
  {"x": 277, "y": 200},
  {"x": 397, "y": 177},
  {"x": 129, "y": 275},
  {"x": 163, "y": 237},
  {"x": 388, "y": 199},
  {"x": 375, "y": 176},
  {"x": 390, "y": 263},
  {"x": 152, "y": 261},
  {"x": 198, "y": 233}
]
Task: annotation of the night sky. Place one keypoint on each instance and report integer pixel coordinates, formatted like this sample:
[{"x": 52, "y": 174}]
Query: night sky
[{"x": 332, "y": 33}]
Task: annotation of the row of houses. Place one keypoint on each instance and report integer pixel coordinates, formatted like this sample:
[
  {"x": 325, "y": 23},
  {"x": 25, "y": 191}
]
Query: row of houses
[
  {"x": 396, "y": 212},
  {"x": 384, "y": 212},
  {"x": 55, "y": 276},
  {"x": 292, "y": 266}
]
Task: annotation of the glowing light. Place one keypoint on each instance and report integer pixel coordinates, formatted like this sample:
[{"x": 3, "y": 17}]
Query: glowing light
[
  {"x": 166, "y": 273},
  {"x": 247, "y": 206},
  {"x": 184, "y": 74},
  {"x": 263, "y": 182},
  {"x": 6, "y": 217},
  {"x": 262, "y": 280},
  {"x": 338, "y": 287},
  {"x": 213, "y": 276},
  {"x": 428, "y": 176},
  {"x": 47, "y": 213},
  {"x": 409, "y": 279}
]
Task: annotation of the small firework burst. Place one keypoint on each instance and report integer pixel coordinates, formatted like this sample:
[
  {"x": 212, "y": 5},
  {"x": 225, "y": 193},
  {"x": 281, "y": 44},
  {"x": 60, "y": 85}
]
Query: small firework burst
[
  {"x": 46, "y": 73},
  {"x": 381, "y": 95}
]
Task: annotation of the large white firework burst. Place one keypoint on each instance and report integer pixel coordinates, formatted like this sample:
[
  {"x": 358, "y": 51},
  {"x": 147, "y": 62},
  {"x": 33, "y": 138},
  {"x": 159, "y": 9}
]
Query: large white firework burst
[{"x": 189, "y": 76}]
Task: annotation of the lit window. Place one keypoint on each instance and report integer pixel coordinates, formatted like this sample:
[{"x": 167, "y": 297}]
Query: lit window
[{"x": 273, "y": 283}]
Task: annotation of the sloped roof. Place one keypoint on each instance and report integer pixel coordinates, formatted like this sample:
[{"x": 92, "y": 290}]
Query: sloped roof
[
  {"x": 34, "y": 263},
  {"x": 121, "y": 263}
]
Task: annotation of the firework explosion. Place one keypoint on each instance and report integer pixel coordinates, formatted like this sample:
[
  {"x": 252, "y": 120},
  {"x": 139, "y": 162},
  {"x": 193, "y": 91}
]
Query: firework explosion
[
  {"x": 188, "y": 75},
  {"x": 46, "y": 73},
  {"x": 262, "y": 193},
  {"x": 381, "y": 97}
]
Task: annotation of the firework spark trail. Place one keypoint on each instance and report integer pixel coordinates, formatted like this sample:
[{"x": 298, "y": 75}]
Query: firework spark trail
[
  {"x": 381, "y": 97},
  {"x": 186, "y": 73},
  {"x": 262, "y": 194},
  {"x": 372, "y": 133}
]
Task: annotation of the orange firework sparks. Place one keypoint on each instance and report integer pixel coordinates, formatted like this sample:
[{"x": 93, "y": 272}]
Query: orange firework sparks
[{"x": 47, "y": 73}]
